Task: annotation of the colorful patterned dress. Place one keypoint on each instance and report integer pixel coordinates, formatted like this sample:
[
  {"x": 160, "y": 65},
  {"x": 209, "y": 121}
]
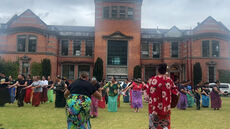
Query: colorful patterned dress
[
  {"x": 159, "y": 91},
  {"x": 113, "y": 95},
  {"x": 137, "y": 95}
]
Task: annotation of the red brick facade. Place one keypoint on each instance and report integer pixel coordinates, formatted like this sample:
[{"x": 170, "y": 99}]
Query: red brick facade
[{"x": 73, "y": 49}]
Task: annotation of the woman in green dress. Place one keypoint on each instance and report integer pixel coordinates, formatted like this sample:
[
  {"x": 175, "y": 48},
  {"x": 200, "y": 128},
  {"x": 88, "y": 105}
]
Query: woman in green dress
[
  {"x": 190, "y": 97},
  {"x": 113, "y": 94}
]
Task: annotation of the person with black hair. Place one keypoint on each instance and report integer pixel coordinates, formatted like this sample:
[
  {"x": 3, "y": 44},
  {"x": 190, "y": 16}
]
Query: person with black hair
[
  {"x": 126, "y": 96},
  {"x": 21, "y": 83},
  {"x": 4, "y": 93},
  {"x": 11, "y": 90},
  {"x": 50, "y": 92},
  {"x": 113, "y": 94},
  {"x": 28, "y": 95},
  {"x": 205, "y": 95},
  {"x": 216, "y": 101},
  {"x": 160, "y": 89},
  {"x": 44, "y": 84},
  {"x": 197, "y": 94}
]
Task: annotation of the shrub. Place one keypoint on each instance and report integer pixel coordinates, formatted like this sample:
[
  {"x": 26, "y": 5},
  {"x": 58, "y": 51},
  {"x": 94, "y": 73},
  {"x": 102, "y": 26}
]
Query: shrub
[
  {"x": 98, "y": 69},
  {"x": 36, "y": 69},
  {"x": 137, "y": 71}
]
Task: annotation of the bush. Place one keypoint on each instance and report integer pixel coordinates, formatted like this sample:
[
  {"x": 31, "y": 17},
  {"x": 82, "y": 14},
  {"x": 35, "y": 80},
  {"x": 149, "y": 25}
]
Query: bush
[
  {"x": 46, "y": 67},
  {"x": 36, "y": 69},
  {"x": 98, "y": 69},
  {"x": 137, "y": 72},
  {"x": 9, "y": 68},
  {"x": 197, "y": 73}
]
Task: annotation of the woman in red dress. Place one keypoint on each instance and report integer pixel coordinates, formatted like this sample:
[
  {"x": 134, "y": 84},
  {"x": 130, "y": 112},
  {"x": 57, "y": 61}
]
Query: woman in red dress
[{"x": 160, "y": 89}]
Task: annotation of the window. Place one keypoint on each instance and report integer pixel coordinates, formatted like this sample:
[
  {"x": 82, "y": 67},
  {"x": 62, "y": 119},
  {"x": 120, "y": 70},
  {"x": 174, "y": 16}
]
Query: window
[
  {"x": 83, "y": 68},
  {"x": 145, "y": 50},
  {"x": 21, "y": 43},
  {"x": 205, "y": 48},
  {"x": 77, "y": 47},
  {"x": 68, "y": 71},
  {"x": 211, "y": 71},
  {"x": 32, "y": 44},
  {"x": 215, "y": 49},
  {"x": 64, "y": 47},
  {"x": 117, "y": 52},
  {"x": 175, "y": 49},
  {"x": 156, "y": 50},
  {"x": 89, "y": 48},
  {"x": 114, "y": 11},
  {"x": 130, "y": 13},
  {"x": 122, "y": 12},
  {"x": 106, "y": 12}
]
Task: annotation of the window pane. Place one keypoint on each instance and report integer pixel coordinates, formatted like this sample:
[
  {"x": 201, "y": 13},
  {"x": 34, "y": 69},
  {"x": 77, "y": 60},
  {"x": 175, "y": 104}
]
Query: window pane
[
  {"x": 211, "y": 74},
  {"x": 83, "y": 68},
  {"x": 64, "y": 47},
  {"x": 117, "y": 52},
  {"x": 32, "y": 44},
  {"x": 122, "y": 12},
  {"x": 145, "y": 50},
  {"x": 106, "y": 12},
  {"x": 114, "y": 12},
  {"x": 205, "y": 48},
  {"x": 156, "y": 50},
  {"x": 68, "y": 71},
  {"x": 215, "y": 49},
  {"x": 89, "y": 48},
  {"x": 130, "y": 13},
  {"x": 21, "y": 43},
  {"x": 175, "y": 49},
  {"x": 77, "y": 47}
]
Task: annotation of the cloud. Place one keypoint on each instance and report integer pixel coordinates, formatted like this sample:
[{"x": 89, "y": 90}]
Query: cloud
[{"x": 155, "y": 13}]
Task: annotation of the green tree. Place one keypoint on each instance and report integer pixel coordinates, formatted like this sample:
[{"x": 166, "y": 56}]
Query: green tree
[
  {"x": 36, "y": 69},
  {"x": 197, "y": 73},
  {"x": 98, "y": 69},
  {"x": 46, "y": 67},
  {"x": 9, "y": 68},
  {"x": 137, "y": 71}
]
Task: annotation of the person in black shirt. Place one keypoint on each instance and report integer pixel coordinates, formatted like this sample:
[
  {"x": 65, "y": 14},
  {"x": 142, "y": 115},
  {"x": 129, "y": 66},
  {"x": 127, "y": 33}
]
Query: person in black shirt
[
  {"x": 21, "y": 83},
  {"x": 28, "y": 95},
  {"x": 4, "y": 92},
  {"x": 205, "y": 95},
  {"x": 197, "y": 93},
  {"x": 78, "y": 102},
  {"x": 50, "y": 92}
]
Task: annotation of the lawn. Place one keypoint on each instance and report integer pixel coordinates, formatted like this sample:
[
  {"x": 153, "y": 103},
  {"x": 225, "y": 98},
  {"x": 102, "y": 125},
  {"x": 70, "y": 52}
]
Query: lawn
[{"x": 48, "y": 117}]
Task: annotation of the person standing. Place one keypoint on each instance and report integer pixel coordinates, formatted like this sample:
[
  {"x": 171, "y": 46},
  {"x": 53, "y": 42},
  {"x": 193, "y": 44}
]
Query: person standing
[
  {"x": 59, "y": 86},
  {"x": 21, "y": 83},
  {"x": 27, "y": 98},
  {"x": 4, "y": 92},
  {"x": 37, "y": 91},
  {"x": 183, "y": 102},
  {"x": 216, "y": 101},
  {"x": 197, "y": 93},
  {"x": 78, "y": 96},
  {"x": 160, "y": 89},
  {"x": 190, "y": 96},
  {"x": 44, "y": 84},
  {"x": 126, "y": 96},
  {"x": 50, "y": 92},
  {"x": 101, "y": 103},
  {"x": 94, "y": 100},
  {"x": 205, "y": 95},
  {"x": 11, "y": 90},
  {"x": 113, "y": 94}
]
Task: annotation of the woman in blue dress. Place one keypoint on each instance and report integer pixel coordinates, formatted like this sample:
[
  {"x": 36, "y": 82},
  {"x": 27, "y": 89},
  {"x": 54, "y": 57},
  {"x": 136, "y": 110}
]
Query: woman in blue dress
[{"x": 126, "y": 96}]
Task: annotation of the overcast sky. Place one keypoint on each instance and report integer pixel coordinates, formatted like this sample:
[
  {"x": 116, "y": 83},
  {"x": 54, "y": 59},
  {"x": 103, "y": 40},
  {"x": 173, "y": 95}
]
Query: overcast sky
[{"x": 185, "y": 14}]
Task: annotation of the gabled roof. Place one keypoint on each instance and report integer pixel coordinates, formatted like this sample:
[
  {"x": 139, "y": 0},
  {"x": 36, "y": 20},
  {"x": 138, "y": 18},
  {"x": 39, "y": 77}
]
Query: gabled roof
[
  {"x": 26, "y": 19},
  {"x": 173, "y": 32},
  {"x": 210, "y": 25}
]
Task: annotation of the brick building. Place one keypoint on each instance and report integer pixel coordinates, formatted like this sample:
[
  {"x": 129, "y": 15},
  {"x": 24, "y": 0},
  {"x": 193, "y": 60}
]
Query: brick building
[{"x": 119, "y": 40}]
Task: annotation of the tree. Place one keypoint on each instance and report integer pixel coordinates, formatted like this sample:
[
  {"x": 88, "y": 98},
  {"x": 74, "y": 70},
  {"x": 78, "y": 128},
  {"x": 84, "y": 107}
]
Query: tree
[
  {"x": 98, "y": 69},
  {"x": 137, "y": 72},
  {"x": 36, "y": 69},
  {"x": 10, "y": 68},
  {"x": 197, "y": 73},
  {"x": 46, "y": 67}
]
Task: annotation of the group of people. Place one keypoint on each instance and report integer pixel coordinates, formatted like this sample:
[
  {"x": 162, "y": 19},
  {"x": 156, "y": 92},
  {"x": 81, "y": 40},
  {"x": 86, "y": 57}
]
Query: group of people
[
  {"x": 32, "y": 90},
  {"x": 200, "y": 93},
  {"x": 83, "y": 96}
]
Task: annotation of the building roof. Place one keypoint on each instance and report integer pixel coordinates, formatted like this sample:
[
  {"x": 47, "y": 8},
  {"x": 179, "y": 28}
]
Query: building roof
[{"x": 63, "y": 28}]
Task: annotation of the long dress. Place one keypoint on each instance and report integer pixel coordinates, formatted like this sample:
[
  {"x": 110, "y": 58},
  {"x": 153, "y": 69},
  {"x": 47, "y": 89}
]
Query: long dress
[
  {"x": 50, "y": 92},
  {"x": 4, "y": 92},
  {"x": 94, "y": 103},
  {"x": 159, "y": 91},
  {"x": 205, "y": 99},
  {"x": 36, "y": 93},
  {"x": 137, "y": 96},
  {"x": 190, "y": 99},
  {"x": 182, "y": 103},
  {"x": 101, "y": 103},
  {"x": 113, "y": 96},
  {"x": 28, "y": 95},
  {"x": 126, "y": 96},
  {"x": 215, "y": 99},
  {"x": 60, "y": 99},
  {"x": 44, "y": 97},
  {"x": 21, "y": 92}
]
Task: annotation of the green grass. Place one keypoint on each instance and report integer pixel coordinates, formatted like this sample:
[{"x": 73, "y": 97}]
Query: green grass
[{"x": 48, "y": 117}]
